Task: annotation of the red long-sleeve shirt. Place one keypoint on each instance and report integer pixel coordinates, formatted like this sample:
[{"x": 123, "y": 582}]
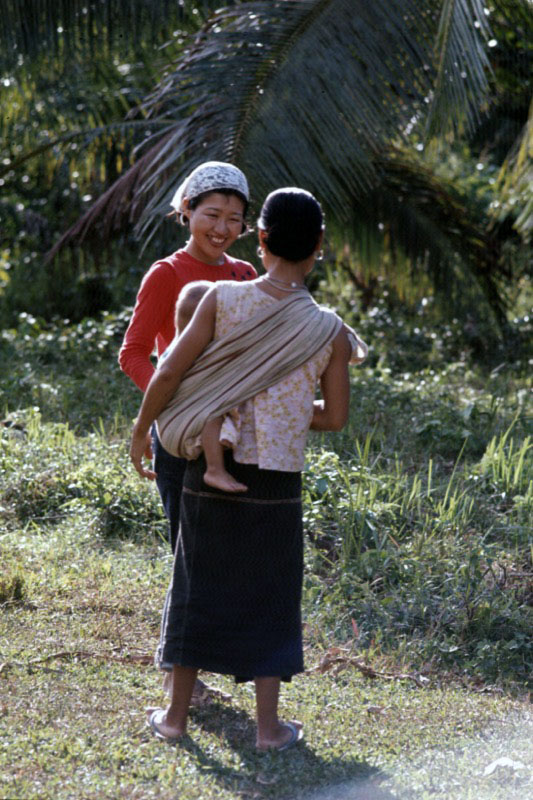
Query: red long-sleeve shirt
[{"x": 152, "y": 322}]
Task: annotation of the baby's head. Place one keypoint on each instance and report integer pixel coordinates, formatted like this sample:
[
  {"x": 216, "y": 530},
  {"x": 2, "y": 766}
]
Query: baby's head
[{"x": 189, "y": 298}]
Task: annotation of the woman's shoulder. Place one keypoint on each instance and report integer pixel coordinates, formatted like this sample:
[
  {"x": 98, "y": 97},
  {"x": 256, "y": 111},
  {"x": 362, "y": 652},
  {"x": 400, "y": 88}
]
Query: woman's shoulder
[
  {"x": 164, "y": 267},
  {"x": 160, "y": 278},
  {"x": 236, "y": 301},
  {"x": 243, "y": 269},
  {"x": 233, "y": 288}
]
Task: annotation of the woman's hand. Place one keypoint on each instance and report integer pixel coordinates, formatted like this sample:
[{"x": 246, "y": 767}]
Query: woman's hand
[{"x": 141, "y": 445}]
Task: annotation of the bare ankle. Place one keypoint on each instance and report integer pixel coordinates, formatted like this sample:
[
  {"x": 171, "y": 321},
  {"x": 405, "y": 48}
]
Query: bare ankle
[
  {"x": 279, "y": 736},
  {"x": 219, "y": 478}
]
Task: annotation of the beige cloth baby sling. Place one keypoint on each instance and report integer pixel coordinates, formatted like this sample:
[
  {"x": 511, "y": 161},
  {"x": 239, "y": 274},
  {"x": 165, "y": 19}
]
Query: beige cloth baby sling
[{"x": 256, "y": 354}]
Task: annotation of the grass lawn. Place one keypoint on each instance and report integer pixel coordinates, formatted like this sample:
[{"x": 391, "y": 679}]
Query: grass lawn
[{"x": 75, "y": 677}]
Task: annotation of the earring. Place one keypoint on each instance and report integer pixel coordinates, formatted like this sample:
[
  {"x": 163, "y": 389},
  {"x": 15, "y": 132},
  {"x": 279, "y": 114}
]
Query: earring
[
  {"x": 259, "y": 251},
  {"x": 320, "y": 256}
]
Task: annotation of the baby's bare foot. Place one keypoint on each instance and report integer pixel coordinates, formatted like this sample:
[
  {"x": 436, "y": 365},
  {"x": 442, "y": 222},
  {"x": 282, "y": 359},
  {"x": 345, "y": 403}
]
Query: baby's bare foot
[{"x": 220, "y": 479}]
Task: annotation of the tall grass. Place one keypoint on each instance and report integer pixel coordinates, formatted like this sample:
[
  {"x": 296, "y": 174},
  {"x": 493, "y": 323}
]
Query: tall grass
[{"x": 434, "y": 560}]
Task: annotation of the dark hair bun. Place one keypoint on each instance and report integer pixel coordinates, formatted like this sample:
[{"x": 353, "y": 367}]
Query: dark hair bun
[{"x": 293, "y": 220}]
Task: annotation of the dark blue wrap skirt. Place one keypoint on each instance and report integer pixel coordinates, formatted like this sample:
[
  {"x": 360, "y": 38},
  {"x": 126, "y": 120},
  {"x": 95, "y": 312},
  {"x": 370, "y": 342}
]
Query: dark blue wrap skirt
[{"x": 233, "y": 605}]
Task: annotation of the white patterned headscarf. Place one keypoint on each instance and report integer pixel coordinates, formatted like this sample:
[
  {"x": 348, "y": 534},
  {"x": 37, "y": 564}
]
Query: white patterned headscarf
[{"x": 208, "y": 177}]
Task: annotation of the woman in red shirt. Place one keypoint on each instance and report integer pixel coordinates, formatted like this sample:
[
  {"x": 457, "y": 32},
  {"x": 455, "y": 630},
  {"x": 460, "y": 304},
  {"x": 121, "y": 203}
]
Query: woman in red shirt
[{"x": 212, "y": 201}]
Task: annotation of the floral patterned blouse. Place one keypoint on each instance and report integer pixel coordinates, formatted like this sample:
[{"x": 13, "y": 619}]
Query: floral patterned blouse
[{"x": 274, "y": 423}]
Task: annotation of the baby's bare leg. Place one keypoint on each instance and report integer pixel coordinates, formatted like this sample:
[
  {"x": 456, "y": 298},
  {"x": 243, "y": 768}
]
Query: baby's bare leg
[{"x": 216, "y": 474}]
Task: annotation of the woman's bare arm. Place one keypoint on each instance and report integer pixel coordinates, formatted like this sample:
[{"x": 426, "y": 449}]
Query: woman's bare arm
[
  {"x": 331, "y": 413},
  {"x": 165, "y": 381}
]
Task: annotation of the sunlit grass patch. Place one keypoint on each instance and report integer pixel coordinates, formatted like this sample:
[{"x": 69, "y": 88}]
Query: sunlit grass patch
[
  {"x": 76, "y": 676},
  {"x": 491, "y": 763},
  {"x": 91, "y": 732}
]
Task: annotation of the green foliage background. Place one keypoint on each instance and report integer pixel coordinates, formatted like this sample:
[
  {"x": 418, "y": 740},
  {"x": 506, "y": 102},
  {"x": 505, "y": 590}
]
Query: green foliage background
[{"x": 430, "y": 187}]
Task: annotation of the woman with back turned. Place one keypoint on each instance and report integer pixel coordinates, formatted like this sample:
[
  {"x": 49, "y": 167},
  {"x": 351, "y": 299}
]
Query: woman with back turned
[{"x": 234, "y": 601}]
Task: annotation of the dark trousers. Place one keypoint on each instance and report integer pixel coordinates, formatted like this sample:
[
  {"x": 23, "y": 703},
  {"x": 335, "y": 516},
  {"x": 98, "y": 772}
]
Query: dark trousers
[{"x": 170, "y": 471}]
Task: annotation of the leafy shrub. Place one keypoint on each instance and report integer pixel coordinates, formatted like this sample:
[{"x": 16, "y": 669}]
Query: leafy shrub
[
  {"x": 69, "y": 372},
  {"x": 49, "y": 474},
  {"x": 413, "y": 336},
  {"x": 118, "y": 504}
]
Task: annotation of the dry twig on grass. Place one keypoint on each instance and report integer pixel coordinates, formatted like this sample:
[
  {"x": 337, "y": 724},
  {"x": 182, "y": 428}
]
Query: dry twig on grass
[
  {"x": 128, "y": 658},
  {"x": 339, "y": 658}
]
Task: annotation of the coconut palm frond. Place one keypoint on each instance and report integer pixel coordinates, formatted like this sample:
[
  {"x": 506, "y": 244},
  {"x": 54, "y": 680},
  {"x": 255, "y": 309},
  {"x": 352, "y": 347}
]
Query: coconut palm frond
[
  {"x": 292, "y": 90},
  {"x": 302, "y": 92},
  {"x": 305, "y": 92},
  {"x": 516, "y": 184},
  {"x": 29, "y": 28},
  {"x": 295, "y": 92},
  {"x": 417, "y": 228},
  {"x": 463, "y": 66},
  {"x": 431, "y": 224}
]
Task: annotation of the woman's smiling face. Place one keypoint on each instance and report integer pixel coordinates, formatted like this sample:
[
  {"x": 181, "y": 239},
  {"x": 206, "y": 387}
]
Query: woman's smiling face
[{"x": 215, "y": 223}]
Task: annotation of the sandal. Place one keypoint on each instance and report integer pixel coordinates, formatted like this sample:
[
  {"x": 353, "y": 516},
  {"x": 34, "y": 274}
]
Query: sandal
[{"x": 154, "y": 720}]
